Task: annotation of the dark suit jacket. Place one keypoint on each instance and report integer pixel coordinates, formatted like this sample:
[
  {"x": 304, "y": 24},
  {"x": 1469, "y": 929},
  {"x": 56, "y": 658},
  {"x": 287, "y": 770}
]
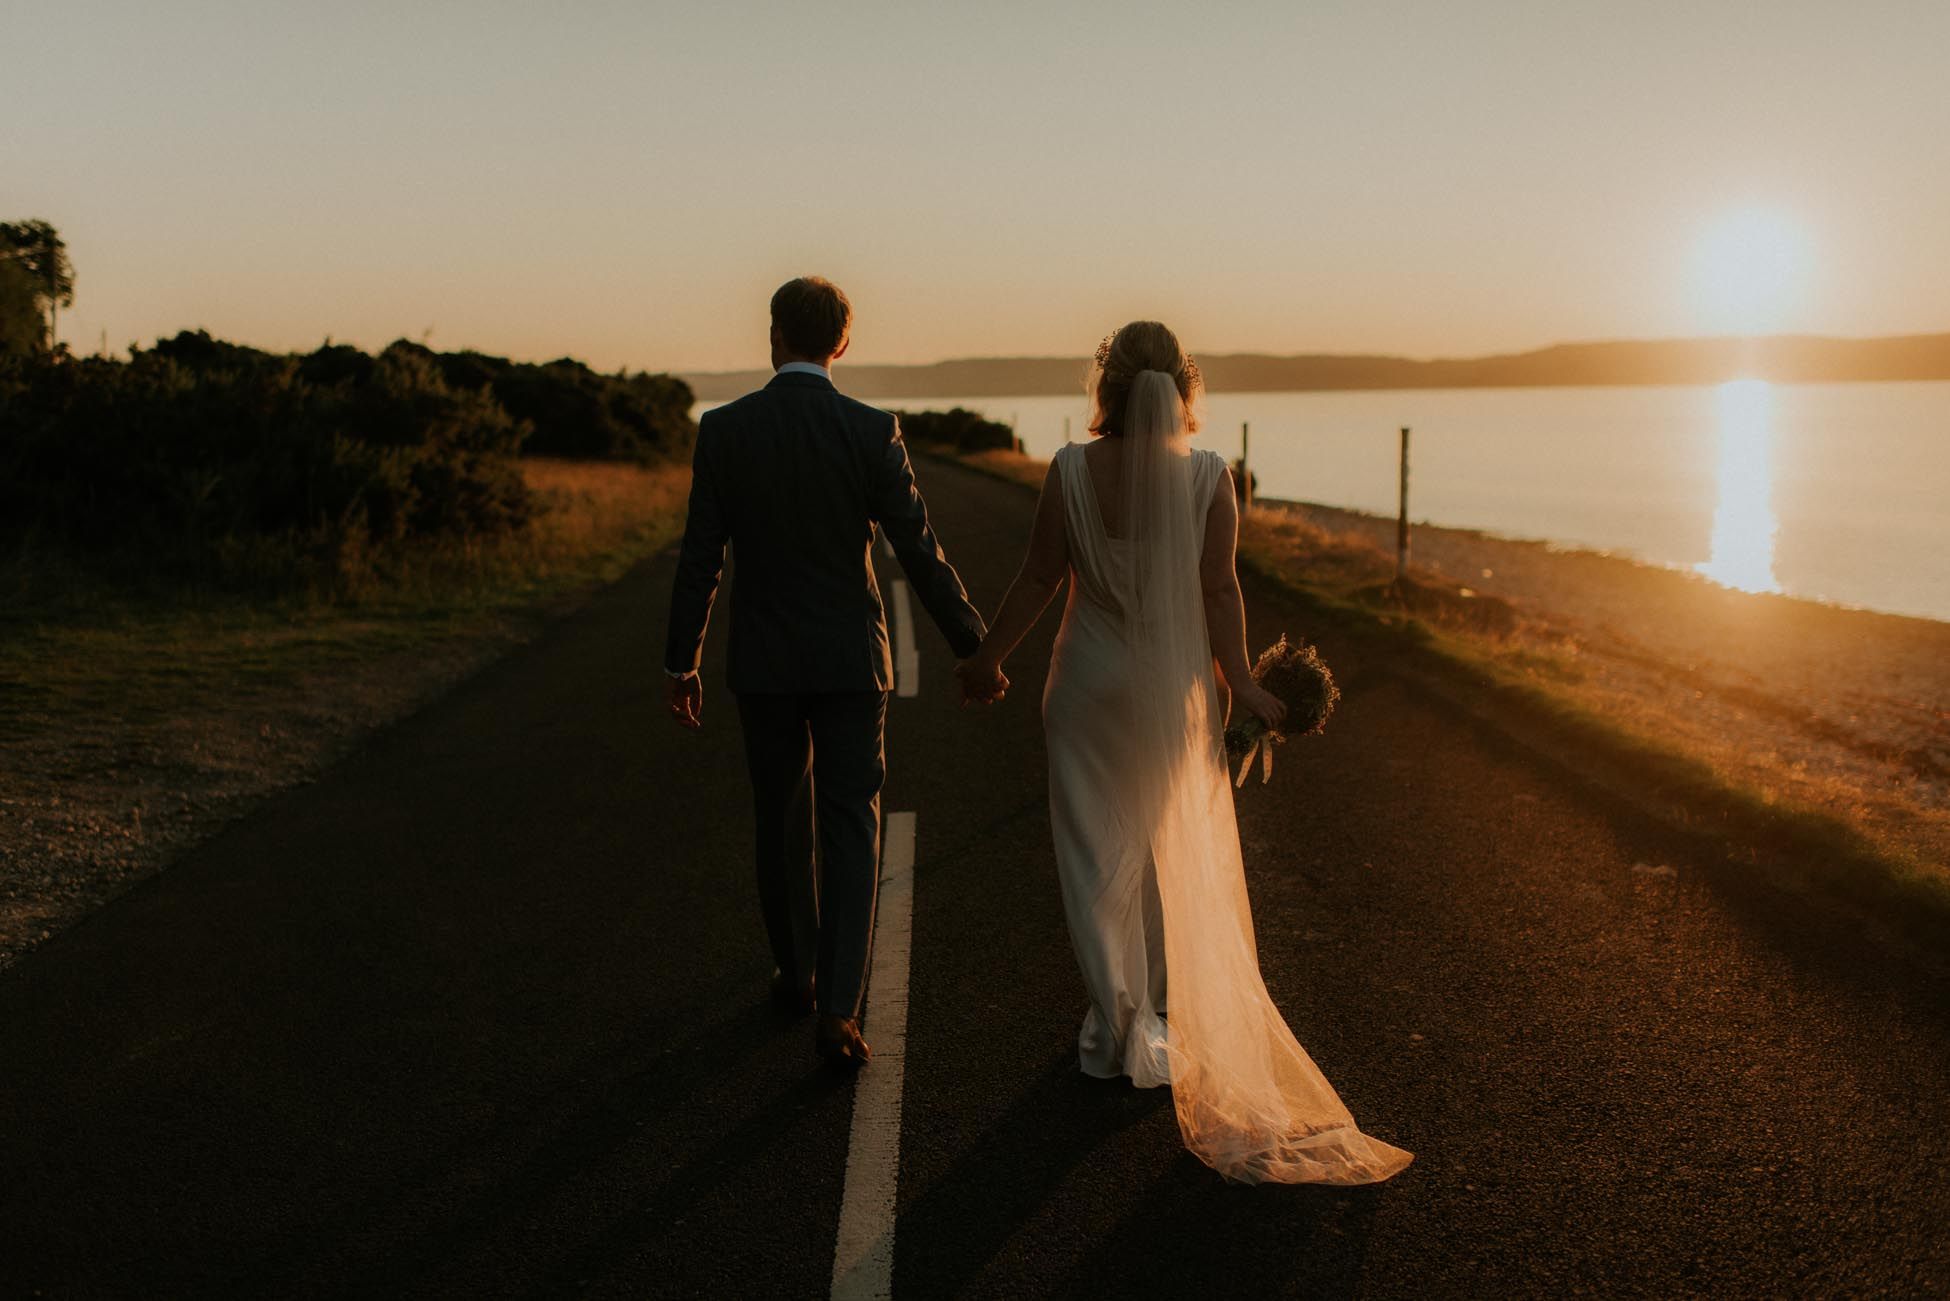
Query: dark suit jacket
[{"x": 794, "y": 477}]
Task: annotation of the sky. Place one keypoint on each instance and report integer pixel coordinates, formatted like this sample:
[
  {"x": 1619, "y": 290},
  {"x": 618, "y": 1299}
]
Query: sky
[{"x": 627, "y": 183}]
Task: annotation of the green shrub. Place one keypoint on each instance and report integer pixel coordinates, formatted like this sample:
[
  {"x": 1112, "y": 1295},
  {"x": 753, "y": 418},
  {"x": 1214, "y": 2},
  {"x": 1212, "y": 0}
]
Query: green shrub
[
  {"x": 198, "y": 459},
  {"x": 22, "y": 330},
  {"x": 959, "y": 428},
  {"x": 577, "y": 412},
  {"x": 206, "y": 459}
]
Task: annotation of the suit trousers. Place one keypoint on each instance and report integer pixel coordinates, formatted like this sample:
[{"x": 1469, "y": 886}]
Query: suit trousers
[{"x": 817, "y": 762}]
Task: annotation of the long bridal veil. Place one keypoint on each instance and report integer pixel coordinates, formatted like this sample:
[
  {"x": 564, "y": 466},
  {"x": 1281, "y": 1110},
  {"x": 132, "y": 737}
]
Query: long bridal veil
[{"x": 1250, "y": 1101}]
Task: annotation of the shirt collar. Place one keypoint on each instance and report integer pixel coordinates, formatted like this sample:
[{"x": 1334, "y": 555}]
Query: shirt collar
[{"x": 805, "y": 368}]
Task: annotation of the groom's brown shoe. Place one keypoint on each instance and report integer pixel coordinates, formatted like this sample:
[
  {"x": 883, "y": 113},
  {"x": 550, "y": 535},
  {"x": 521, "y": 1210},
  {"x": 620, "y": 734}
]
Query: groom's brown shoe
[
  {"x": 788, "y": 994},
  {"x": 838, "y": 1041}
]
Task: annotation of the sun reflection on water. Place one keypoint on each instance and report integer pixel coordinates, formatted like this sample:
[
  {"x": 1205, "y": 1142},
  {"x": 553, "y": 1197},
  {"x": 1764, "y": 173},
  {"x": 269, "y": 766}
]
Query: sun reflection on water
[{"x": 1743, "y": 521}]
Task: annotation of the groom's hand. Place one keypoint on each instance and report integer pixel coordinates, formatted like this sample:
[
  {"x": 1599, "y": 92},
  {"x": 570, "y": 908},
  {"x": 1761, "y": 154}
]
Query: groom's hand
[{"x": 687, "y": 701}]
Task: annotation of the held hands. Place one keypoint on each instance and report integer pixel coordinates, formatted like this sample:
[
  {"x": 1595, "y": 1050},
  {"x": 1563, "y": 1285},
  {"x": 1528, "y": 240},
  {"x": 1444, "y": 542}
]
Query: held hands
[
  {"x": 982, "y": 681},
  {"x": 687, "y": 701}
]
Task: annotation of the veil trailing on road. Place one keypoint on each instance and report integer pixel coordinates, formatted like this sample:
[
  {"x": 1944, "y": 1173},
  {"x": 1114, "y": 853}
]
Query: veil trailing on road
[{"x": 1250, "y": 1101}]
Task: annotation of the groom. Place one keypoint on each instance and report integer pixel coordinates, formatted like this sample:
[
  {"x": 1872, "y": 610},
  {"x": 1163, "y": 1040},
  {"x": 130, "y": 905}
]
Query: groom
[{"x": 794, "y": 477}]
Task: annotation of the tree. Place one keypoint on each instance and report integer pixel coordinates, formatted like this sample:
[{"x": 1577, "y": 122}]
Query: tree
[
  {"x": 38, "y": 249},
  {"x": 20, "y": 312}
]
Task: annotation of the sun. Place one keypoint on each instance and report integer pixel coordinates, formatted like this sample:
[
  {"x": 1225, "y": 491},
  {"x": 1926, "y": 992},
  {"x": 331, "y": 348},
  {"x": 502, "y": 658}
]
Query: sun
[{"x": 1750, "y": 270}]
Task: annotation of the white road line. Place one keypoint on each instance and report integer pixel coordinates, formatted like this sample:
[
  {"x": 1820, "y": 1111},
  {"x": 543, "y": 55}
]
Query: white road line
[
  {"x": 863, "y": 1263},
  {"x": 907, "y": 660}
]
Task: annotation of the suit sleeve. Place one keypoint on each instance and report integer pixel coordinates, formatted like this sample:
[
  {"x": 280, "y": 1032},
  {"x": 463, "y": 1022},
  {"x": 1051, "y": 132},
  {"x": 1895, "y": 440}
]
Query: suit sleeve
[
  {"x": 903, "y": 517},
  {"x": 700, "y": 563}
]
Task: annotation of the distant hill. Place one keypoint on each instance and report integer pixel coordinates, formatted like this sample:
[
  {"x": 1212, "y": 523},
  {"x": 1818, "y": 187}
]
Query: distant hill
[{"x": 1787, "y": 358}]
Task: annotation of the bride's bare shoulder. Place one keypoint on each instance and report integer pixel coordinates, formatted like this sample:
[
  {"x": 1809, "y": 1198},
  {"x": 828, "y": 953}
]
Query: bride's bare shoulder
[{"x": 1103, "y": 457}]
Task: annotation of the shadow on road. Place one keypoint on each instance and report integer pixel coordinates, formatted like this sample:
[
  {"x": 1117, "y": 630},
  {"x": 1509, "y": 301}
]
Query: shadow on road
[
  {"x": 754, "y": 1144},
  {"x": 1191, "y": 1228},
  {"x": 468, "y": 1198},
  {"x": 948, "y": 1234}
]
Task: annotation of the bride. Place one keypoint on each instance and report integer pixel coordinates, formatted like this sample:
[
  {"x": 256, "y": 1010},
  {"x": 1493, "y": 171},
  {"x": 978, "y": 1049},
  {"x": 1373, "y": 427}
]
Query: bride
[{"x": 1147, "y": 847}]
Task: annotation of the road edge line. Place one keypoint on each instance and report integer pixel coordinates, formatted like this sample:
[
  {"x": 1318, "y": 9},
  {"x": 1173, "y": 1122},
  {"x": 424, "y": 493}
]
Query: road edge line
[{"x": 863, "y": 1257}]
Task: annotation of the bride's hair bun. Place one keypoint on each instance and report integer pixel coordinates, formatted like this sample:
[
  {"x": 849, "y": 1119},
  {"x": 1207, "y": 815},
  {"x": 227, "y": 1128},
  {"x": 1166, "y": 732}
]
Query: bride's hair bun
[{"x": 1139, "y": 346}]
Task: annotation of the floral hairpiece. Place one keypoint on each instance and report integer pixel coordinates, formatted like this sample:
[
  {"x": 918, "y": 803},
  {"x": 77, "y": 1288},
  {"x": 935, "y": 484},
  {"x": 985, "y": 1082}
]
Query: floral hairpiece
[{"x": 1193, "y": 377}]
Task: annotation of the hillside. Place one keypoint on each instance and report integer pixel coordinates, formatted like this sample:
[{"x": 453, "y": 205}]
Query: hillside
[{"x": 1787, "y": 358}]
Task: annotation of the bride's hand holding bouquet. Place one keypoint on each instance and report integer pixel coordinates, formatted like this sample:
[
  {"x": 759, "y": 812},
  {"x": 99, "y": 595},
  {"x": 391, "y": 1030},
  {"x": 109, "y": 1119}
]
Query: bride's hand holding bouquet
[
  {"x": 1262, "y": 704},
  {"x": 1288, "y": 685}
]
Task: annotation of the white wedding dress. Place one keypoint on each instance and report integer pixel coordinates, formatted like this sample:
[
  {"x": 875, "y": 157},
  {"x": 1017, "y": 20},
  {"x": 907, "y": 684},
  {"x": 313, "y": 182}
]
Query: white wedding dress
[{"x": 1147, "y": 847}]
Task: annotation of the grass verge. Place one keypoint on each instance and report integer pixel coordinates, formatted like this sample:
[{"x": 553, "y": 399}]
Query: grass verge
[{"x": 133, "y": 653}]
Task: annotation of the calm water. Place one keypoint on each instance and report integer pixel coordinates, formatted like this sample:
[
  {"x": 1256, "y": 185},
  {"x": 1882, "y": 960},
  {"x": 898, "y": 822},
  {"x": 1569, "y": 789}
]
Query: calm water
[{"x": 1836, "y": 491}]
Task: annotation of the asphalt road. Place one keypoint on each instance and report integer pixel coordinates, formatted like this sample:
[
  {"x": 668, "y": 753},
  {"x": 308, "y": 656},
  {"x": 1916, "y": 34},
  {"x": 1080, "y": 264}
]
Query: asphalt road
[{"x": 483, "y": 1013}]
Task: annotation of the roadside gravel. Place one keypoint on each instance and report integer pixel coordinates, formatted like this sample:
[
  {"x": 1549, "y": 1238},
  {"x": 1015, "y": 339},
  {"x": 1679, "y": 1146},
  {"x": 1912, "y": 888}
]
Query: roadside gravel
[{"x": 106, "y": 781}]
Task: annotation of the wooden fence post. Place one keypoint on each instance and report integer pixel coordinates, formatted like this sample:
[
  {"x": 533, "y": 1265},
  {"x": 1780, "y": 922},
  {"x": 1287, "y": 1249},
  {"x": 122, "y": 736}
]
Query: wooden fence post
[
  {"x": 1401, "y": 523},
  {"x": 1244, "y": 488}
]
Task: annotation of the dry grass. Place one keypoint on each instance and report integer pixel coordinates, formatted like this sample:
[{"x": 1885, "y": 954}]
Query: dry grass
[
  {"x": 124, "y": 654},
  {"x": 1011, "y": 466},
  {"x": 594, "y": 520},
  {"x": 601, "y": 510},
  {"x": 130, "y": 728},
  {"x": 1332, "y": 562}
]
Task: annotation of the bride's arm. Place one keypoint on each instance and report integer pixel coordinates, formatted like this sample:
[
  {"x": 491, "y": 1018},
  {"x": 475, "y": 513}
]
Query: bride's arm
[
  {"x": 1225, "y": 607},
  {"x": 1043, "y": 570}
]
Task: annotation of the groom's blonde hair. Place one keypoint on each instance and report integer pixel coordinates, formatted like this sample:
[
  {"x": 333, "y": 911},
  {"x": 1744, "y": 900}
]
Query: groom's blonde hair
[{"x": 1141, "y": 345}]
